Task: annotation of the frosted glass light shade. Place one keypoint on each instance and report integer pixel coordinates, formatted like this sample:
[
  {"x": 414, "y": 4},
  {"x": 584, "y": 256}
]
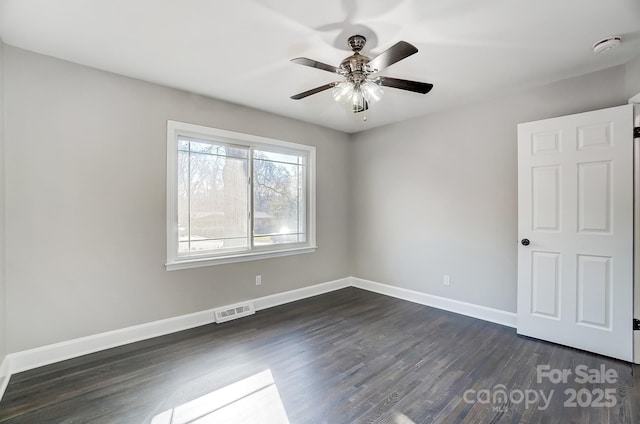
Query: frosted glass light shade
[
  {"x": 357, "y": 96},
  {"x": 358, "y": 102},
  {"x": 343, "y": 92},
  {"x": 371, "y": 91}
]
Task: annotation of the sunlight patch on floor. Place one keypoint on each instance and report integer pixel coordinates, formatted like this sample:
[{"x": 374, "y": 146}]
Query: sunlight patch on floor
[
  {"x": 399, "y": 418},
  {"x": 253, "y": 400}
]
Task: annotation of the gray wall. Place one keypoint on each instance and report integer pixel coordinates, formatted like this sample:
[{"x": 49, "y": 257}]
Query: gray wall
[
  {"x": 85, "y": 198},
  {"x": 632, "y": 77},
  {"x": 3, "y": 316},
  {"x": 437, "y": 195}
]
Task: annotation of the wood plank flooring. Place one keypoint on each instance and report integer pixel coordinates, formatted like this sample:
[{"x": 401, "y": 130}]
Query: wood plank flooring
[{"x": 348, "y": 356}]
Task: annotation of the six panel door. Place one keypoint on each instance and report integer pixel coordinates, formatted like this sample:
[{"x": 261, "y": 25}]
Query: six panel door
[{"x": 575, "y": 208}]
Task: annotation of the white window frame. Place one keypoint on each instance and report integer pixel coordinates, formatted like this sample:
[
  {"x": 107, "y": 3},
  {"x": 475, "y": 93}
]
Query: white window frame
[{"x": 176, "y": 262}]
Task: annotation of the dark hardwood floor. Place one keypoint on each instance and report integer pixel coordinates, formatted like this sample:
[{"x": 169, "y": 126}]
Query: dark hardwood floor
[{"x": 348, "y": 356}]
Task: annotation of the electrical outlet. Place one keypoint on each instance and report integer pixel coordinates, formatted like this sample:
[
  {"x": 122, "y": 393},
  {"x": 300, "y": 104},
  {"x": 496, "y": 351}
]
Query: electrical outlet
[
  {"x": 258, "y": 280},
  {"x": 447, "y": 280}
]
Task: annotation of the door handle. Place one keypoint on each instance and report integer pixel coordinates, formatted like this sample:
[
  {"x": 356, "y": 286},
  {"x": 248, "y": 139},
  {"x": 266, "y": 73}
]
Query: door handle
[{"x": 525, "y": 242}]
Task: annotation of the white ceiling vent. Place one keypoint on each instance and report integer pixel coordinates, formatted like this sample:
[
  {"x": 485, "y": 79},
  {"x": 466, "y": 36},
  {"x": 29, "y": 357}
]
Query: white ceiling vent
[{"x": 230, "y": 312}]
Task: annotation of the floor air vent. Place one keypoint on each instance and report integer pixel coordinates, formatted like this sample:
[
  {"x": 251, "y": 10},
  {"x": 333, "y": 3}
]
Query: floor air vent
[{"x": 230, "y": 312}]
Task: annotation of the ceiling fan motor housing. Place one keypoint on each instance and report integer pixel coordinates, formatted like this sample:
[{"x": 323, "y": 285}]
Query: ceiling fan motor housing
[
  {"x": 355, "y": 67},
  {"x": 357, "y": 42}
]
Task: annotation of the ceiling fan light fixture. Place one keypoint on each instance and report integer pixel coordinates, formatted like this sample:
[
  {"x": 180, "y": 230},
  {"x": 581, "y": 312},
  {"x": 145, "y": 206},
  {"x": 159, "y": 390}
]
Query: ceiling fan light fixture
[
  {"x": 343, "y": 92},
  {"x": 360, "y": 89},
  {"x": 357, "y": 95},
  {"x": 358, "y": 101},
  {"x": 372, "y": 92}
]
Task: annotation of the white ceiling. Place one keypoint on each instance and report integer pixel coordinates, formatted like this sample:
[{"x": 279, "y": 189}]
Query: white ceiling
[{"x": 239, "y": 50}]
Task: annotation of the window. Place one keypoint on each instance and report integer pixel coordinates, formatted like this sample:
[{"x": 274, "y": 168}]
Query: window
[{"x": 234, "y": 197}]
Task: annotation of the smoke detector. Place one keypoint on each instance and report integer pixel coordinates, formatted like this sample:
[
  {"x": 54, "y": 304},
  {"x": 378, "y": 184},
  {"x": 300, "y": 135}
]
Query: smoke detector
[{"x": 607, "y": 44}]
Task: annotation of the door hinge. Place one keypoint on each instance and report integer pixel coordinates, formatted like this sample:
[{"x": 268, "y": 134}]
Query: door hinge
[
  {"x": 636, "y": 132},
  {"x": 636, "y": 324}
]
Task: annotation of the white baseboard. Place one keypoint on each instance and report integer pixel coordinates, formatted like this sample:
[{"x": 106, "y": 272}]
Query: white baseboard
[
  {"x": 4, "y": 375},
  {"x": 299, "y": 294},
  {"x": 49, "y": 354},
  {"x": 497, "y": 316},
  {"x": 45, "y": 355}
]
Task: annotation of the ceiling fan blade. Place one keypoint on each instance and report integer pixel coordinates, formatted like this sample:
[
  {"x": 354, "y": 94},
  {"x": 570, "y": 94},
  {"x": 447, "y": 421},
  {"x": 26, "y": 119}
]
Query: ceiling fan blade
[
  {"x": 393, "y": 54},
  {"x": 314, "y": 64},
  {"x": 314, "y": 91},
  {"x": 415, "y": 86}
]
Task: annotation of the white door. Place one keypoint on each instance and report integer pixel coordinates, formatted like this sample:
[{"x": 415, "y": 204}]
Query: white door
[{"x": 575, "y": 224}]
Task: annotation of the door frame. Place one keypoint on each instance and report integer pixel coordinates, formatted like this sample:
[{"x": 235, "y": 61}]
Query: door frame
[{"x": 635, "y": 100}]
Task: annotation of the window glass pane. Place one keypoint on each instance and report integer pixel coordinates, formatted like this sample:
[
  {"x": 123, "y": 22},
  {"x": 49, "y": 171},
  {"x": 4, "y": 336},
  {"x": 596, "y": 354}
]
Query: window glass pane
[
  {"x": 279, "y": 199},
  {"x": 278, "y": 157},
  {"x": 212, "y": 198},
  {"x": 216, "y": 244},
  {"x": 183, "y": 144},
  {"x": 232, "y": 192},
  {"x": 204, "y": 146},
  {"x": 183, "y": 200}
]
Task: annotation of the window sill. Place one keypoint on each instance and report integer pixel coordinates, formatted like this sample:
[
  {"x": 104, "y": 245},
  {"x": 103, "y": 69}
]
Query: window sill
[{"x": 230, "y": 259}]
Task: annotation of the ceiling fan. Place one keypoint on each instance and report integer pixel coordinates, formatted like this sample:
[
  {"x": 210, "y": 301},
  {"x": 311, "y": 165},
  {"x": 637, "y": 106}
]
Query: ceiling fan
[{"x": 361, "y": 87}]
